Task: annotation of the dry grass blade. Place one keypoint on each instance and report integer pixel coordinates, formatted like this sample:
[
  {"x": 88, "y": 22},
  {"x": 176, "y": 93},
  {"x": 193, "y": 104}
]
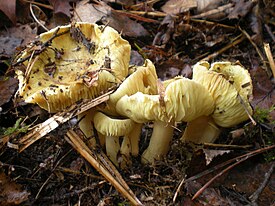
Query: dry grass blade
[
  {"x": 270, "y": 58},
  {"x": 103, "y": 165},
  {"x": 53, "y": 122}
]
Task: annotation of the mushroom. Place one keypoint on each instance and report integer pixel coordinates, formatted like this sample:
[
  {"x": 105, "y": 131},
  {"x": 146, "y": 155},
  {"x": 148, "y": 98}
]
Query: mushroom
[
  {"x": 70, "y": 63},
  {"x": 143, "y": 79},
  {"x": 179, "y": 103},
  {"x": 112, "y": 129},
  {"x": 85, "y": 124},
  {"x": 231, "y": 88}
]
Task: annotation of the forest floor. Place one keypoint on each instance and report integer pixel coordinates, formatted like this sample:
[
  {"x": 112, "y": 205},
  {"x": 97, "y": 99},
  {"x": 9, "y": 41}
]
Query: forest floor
[{"x": 237, "y": 170}]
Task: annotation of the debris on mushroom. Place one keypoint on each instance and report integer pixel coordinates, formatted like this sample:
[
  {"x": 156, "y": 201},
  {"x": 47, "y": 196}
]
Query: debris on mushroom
[
  {"x": 70, "y": 63},
  {"x": 231, "y": 88},
  {"x": 179, "y": 103},
  {"x": 112, "y": 129}
]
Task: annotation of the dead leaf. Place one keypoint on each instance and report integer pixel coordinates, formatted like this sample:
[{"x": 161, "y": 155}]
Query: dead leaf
[
  {"x": 61, "y": 6},
  {"x": 241, "y": 9},
  {"x": 263, "y": 90},
  {"x": 256, "y": 24},
  {"x": 165, "y": 30},
  {"x": 210, "y": 154},
  {"x": 7, "y": 89},
  {"x": 11, "y": 192},
  {"x": 178, "y": 6},
  {"x": 14, "y": 37},
  {"x": 9, "y": 9},
  {"x": 122, "y": 2},
  {"x": 77, "y": 164},
  {"x": 210, "y": 196},
  {"x": 206, "y": 5},
  {"x": 102, "y": 13}
]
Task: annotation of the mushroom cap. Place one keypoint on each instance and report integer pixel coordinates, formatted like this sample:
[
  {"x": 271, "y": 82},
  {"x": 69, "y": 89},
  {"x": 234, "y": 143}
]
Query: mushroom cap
[
  {"x": 144, "y": 80},
  {"x": 83, "y": 61},
  {"x": 225, "y": 81},
  {"x": 141, "y": 107},
  {"x": 112, "y": 127},
  {"x": 180, "y": 103},
  {"x": 186, "y": 100}
]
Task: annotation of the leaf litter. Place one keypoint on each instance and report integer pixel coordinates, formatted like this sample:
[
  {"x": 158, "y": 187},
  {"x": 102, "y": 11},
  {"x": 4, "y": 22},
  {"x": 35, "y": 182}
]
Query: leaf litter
[{"x": 174, "y": 44}]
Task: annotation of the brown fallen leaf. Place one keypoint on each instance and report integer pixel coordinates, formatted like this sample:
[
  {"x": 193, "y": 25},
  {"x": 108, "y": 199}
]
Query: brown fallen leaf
[
  {"x": 210, "y": 154},
  {"x": 7, "y": 89},
  {"x": 102, "y": 13},
  {"x": 9, "y": 9},
  {"x": 17, "y": 36},
  {"x": 11, "y": 192},
  {"x": 61, "y": 6},
  {"x": 241, "y": 9},
  {"x": 178, "y": 6},
  {"x": 210, "y": 196},
  {"x": 263, "y": 90}
]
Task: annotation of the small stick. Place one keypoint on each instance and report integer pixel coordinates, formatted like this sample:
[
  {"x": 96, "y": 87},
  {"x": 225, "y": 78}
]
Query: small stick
[
  {"x": 53, "y": 122},
  {"x": 103, "y": 165},
  {"x": 227, "y": 146},
  {"x": 270, "y": 58},
  {"x": 238, "y": 40},
  {"x": 256, "y": 48},
  {"x": 214, "y": 11},
  {"x": 178, "y": 189},
  {"x": 254, "y": 197},
  {"x": 238, "y": 160},
  {"x": 37, "y": 21},
  {"x": 246, "y": 110}
]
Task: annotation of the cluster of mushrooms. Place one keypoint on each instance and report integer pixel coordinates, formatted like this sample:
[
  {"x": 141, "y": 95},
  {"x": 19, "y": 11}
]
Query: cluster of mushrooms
[{"x": 83, "y": 60}]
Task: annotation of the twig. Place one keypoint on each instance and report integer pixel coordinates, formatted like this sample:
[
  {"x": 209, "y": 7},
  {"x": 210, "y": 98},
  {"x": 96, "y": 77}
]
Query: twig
[
  {"x": 40, "y": 4},
  {"x": 270, "y": 58},
  {"x": 269, "y": 32},
  {"x": 43, "y": 46},
  {"x": 214, "y": 11},
  {"x": 53, "y": 122},
  {"x": 37, "y": 21},
  {"x": 237, "y": 40},
  {"x": 246, "y": 110},
  {"x": 254, "y": 197},
  {"x": 238, "y": 161},
  {"x": 256, "y": 48},
  {"x": 223, "y": 146},
  {"x": 103, "y": 165},
  {"x": 178, "y": 189},
  {"x": 203, "y": 21}
]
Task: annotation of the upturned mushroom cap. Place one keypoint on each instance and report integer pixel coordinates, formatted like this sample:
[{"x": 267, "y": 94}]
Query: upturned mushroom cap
[
  {"x": 82, "y": 61},
  {"x": 112, "y": 127},
  {"x": 226, "y": 81},
  {"x": 180, "y": 103}
]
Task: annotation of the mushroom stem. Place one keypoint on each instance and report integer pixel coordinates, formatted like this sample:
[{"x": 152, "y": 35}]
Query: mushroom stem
[
  {"x": 112, "y": 148},
  {"x": 125, "y": 151},
  {"x": 201, "y": 130},
  {"x": 134, "y": 137},
  {"x": 159, "y": 142}
]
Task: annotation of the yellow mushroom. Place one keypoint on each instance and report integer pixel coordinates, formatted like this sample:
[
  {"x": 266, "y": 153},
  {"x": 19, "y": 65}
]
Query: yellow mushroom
[
  {"x": 231, "y": 88},
  {"x": 112, "y": 129},
  {"x": 70, "y": 63},
  {"x": 179, "y": 103}
]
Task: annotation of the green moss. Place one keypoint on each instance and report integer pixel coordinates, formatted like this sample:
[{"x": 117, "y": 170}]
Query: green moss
[
  {"x": 17, "y": 128},
  {"x": 262, "y": 115}
]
